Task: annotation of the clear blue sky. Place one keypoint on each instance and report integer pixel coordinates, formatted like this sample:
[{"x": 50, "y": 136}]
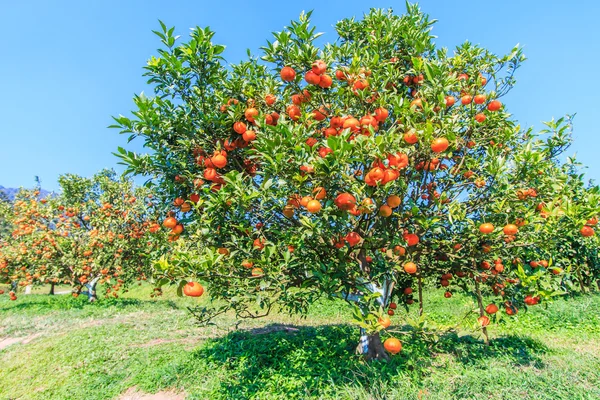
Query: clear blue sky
[{"x": 68, "y": 66}]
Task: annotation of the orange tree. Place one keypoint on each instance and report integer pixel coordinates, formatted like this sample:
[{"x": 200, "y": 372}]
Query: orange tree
[
  {"x": 97, "y": 230},
  {"x": 340, "y": 171},
  {"x": 507, "y": 241}
]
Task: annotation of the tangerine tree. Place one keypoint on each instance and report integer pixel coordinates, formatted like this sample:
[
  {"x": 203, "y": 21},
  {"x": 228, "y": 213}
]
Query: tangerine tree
[
  {"x": 97, "y": 230},
  {"x": 343, "y": 170}
]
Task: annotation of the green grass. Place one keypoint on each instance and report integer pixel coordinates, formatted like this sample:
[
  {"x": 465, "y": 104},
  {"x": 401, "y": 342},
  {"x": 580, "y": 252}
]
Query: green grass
[{"x": 73, "y": 350}]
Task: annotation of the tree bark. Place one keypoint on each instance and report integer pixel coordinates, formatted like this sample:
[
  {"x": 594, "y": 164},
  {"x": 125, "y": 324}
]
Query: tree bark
[
  {"x": 91, "y": 287},
  {"x": 486, "y": 338},
  {"x": 371, "y": 347},
  {"x": 580, "y": 279},
  {"x": 51, "y": 289}
]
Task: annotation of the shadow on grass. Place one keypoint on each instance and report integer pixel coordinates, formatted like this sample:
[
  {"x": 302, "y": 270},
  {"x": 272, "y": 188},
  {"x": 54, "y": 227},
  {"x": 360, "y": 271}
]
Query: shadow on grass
[
  {"x": 42, "y": 302},
  {"x": 298, "y": 362},
  {"x": 516, "y": 350}
]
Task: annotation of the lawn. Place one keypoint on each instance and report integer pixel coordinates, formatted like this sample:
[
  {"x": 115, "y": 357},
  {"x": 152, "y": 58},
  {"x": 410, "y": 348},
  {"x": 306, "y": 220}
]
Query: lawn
[{"x": 58, "y": 347}]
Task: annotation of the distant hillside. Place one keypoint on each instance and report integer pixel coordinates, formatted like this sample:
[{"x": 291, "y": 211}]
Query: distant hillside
[{"x": 12, "y": 192}]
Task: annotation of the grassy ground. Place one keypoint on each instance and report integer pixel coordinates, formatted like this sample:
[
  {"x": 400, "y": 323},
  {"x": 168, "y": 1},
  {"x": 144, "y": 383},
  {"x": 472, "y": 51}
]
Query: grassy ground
[{"x": 65, "y": 348}]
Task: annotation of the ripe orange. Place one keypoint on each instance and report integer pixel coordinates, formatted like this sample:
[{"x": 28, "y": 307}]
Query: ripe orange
[
  {"x": 287, "y": 74},
  {"x": 170, "y": 223},
  {"x": 319, "y": 193},
  {"x": 381, "y": 114},
  {"x": 410, "y": 137},
  {"x": 178, "y": 229},
  {"x": 410, "y": 267},
  {"x": 466, "y": 99},
  {"x": 193, "y": 289},
  {"x": 247, "y": 264},
  {"x": 393, "y": 201},
  {"x": 411, "y": 239},
  {"x": 294, "y": 112},
  {"x": 486, "y": 228},
  {"x": 399, "y": 250},
  {"x": 250, "y": 113},
  {"x": 450, "y": 100},
  {"x": 219, "y": 160},
  {"x": 494, "y": 105},
  {"x": 353, "y": 238},
  {"x": 239, "y": 127},
  {"x": 257, "y": 272},
  {"x": 587, "y": 231},
  {"x": 510, "y": 229},
  {"x": 313, "y": 206},
  {"x": 345, "y": 201},
  {"x": 249, "y": 136},
  {"x": 384, "y": 321},
  {"x": 319, "y": 67},
  {"x": 258, "y": 244},
  {"x": 270, "y": 99},
  {"x": 392, "y": 345},
  {"x": 325, "y": 81},
  {"x": 305, "y": 200},
  {"x": 484, "y": 320},
  {"x": 385, "y": 210},
  {"x": 491, "y": 308},
  {"x": 479, "y": 99},
  {"x": 312, "y": 78},
  {"x": 393, "y": 305},
  {"x": 440, "y": 144},
  {"x": 480, "y": 117},
  {"x": 351, "y": 123}
]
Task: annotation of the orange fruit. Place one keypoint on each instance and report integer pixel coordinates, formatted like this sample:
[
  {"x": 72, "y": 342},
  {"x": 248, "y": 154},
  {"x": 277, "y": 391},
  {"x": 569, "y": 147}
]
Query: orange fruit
[
  {"x": 313, "y": 206},
  {"x": 494, "y": 105},
  {"x": 410, "y": 267},
  {"x": 384, "y": 321},
  {"x": 440, "y": 144},
  {"x": 170, "y": 223},
  {"x": 239, "y": 127},
  {"x": 385, "y": 210},
  {"x": 193, "y": 289},
  {"x": 345, "y": 201},
  {"x": 491, "y": 308},
  {"x": 393, "y": 201},
  {"x": 486, "y": 228},
  {"x": 392, "y": 345},
  {"x": 287, "y": 74},
  {"x": 510, "y": 229}
]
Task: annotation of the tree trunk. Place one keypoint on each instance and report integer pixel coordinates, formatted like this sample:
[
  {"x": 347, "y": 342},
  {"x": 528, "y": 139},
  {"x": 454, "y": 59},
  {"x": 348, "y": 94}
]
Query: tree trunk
[
  {"x": 580, "y": 279},
  {"x": 486, "y": 338},
  {"x": 51, "y": 289},
  {"x": 91, "y": 287},
  {"x": 28, "y": 289},
  {"x": 371, "y": 347}
]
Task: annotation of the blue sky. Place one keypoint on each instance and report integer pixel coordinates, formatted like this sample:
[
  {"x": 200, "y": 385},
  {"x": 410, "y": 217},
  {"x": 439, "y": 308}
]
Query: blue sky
[{"x": 68, "y": 66}]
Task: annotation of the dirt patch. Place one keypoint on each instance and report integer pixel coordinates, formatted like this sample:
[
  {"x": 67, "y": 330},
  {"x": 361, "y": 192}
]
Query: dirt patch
[
  {"x": 5, "y": 342},
  {"x": 133, "y": 394}
]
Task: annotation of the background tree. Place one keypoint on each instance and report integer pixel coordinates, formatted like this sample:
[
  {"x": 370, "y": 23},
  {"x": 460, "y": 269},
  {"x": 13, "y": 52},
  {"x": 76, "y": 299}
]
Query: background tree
[{"x": 97, "y": 230}]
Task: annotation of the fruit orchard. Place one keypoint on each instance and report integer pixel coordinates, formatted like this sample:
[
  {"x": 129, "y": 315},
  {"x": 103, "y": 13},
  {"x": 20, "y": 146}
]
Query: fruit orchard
[{"x": 363, "y": 169}]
